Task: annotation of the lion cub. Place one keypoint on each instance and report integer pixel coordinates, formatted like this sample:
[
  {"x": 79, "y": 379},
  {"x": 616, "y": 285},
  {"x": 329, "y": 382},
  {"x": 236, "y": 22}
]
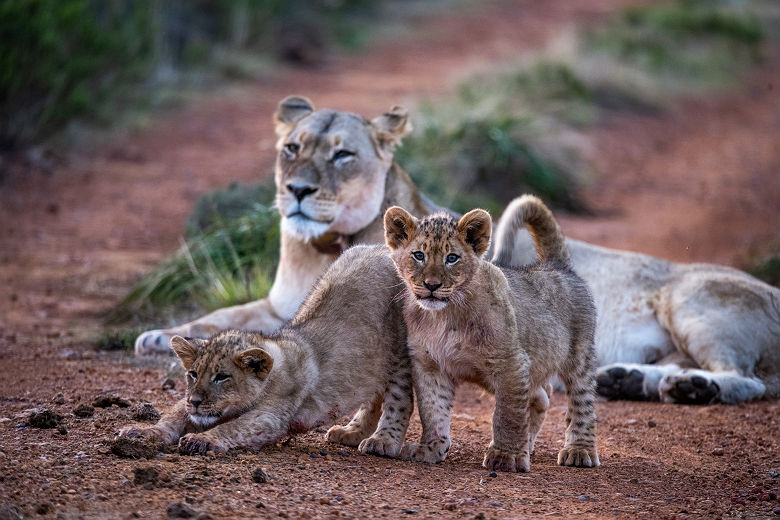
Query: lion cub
[
  {"x": 506, "y": 329},
  {"x": 344, "y": 349}
]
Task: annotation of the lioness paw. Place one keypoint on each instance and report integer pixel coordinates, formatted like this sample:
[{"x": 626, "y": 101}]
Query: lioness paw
[
  {"x": 580, "y": 457},
  {"x": 345, "y": 435},
  {"x": 618, "y": 382},
  {"x": 500, "y": 460},
  {"x": 688, "y": 387},
  {"x": 379, "y": 444},
  {"x": 199, "y": 444},
  {"x": 431, "y": 452},
  {"x": 153, "y": 342}
]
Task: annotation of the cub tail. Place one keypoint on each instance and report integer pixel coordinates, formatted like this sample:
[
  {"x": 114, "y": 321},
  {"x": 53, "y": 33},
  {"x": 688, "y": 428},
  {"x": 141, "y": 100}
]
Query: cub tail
[{"x": 528, "y": 210}]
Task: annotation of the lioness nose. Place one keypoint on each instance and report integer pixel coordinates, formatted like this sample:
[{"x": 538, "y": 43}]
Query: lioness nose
[
  {"x": 301, "y": 191},
  {"x": 432, "y": 286},
  {"x": 195, "y": 401}
]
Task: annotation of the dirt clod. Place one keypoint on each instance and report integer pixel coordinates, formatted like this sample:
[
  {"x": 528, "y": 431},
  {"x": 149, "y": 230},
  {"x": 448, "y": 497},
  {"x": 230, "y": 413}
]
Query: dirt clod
[
  {"x": 145, "y": 475},
  {"x": 107, "y": 401},
  {"x": 135, "y": 448},
  {"x": 45, "y": 419},
  {"x": 260, "y": 476},
  {"x": 651, "y": 424},
  {"x": 180, "y": 510},
  {"x": 146, "y": 412},
  {"x": 61, "y": 429},
  {"x": 83, "y": 411},
  {"x": 44, "y": 508}
]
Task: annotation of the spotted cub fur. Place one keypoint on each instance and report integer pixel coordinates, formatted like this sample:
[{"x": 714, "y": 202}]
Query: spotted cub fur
[
  {"x": 345, "y": 349},
  {"x": 506, "y": 329}
]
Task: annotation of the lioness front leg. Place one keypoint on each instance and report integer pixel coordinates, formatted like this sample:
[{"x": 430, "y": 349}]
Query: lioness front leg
[
  {"x": 167, "y": 430},
  {"x": 509, "y": 449},
  {"x": 259, "y": 315},
  {"x": 435, "y": 395}
]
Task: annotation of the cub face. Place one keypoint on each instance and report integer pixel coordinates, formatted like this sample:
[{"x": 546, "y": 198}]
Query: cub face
[
  {"x": 226, "y": 374},
  {"x": 437, "y": 256},
  {"x": 331, "y": 167}
]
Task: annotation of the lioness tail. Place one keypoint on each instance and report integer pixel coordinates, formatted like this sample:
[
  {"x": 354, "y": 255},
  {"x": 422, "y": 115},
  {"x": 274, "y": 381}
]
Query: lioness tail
[{"x": 548, "y": 238}]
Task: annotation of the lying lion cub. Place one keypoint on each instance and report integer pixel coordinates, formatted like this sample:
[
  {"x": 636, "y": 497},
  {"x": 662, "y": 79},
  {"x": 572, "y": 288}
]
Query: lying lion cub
[
  {"x": 345, "y": 348},
  {"x": 506, "y": 329}
]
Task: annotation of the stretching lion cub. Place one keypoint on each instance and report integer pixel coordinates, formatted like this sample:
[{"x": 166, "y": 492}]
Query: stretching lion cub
[
  {"x": 344, "y": 349},
  {"x": 506, "y": 329}
]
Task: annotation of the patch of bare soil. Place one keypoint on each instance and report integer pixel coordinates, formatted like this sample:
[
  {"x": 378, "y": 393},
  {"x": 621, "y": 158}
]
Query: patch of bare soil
[{"x": 696, "y": 183}]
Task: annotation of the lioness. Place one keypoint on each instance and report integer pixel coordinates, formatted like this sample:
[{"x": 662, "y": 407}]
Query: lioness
[
  {"x": 345, "y": 348},
  {"x": 677, "y": 332},
  {"x": 506, "y": 329}
]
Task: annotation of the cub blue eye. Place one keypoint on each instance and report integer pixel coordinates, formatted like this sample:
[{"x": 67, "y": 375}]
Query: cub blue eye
[
  {"x": 419, "y": 256},
  {"x": 193, "y": 374},
  {"x": 221, "y": 377},
  {"x": 452, "y": 258}
]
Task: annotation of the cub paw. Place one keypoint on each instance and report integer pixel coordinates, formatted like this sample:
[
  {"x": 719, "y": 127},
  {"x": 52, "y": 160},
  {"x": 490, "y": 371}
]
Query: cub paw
[
  {"x": 200, "y": 444},
  {"x": 512, "y": 462},
  {"x": 380, "y": 444},
  {"x": 580, "y": 457},
  {"x": 431, "y": 452},
  {"x": 153, "y": 342},
  {"x": 151, "y": 433},
  {"x": 688, "y": 388},
  {"x": 345, "y": 435},
  {"x": 617, "y": 382}
]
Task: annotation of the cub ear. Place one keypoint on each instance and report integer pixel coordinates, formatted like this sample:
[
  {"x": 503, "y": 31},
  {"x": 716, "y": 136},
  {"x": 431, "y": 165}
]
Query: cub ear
[
  {"x": 391, "y": 127},
  {"x": 474, "y": 229},
  {"x": 400, "y": 227},
  {"x": 186, "y": 349},
  {"x": 291, "y": 110},
  {"x": 255, "y": 360}
]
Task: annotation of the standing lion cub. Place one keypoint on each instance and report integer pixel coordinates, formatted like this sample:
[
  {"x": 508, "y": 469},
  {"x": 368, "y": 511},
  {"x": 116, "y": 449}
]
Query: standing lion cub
[
  {"x": 344, "y": 349},
  {"x": 506, "y": 329}
]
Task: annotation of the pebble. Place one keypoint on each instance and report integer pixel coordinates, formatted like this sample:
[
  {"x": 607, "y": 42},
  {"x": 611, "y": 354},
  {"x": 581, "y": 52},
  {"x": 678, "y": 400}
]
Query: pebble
[
  {"x": 776, "y": 511},
  {"x": 651, "y": 423},
  {"x": 260, "y": 476},
  {"x": 718, "y": 452},
  {"x": 493, "y": 474},
  {"x": 323, "y": 452},
  {"x": 409, "y": 511},
  {"x": 582, "y": 498},
  {"x": 58, "y": 399},
  {"x": 168, "y": 384}
]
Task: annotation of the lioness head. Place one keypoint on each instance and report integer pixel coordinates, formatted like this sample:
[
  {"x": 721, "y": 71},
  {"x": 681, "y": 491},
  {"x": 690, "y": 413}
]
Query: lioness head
[
  {"x": 437, "y": 255},
  {"x": 331, "y": 166},
  {"x": 226, "y": 374}
]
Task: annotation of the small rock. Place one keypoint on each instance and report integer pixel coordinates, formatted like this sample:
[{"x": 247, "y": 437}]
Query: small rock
[
  {"x": 774, "y": 474},
  {"x": 718, "y": 452},
  {"x": 313, "y": 455},
  {"x": 479, "y": 516},
  {"x": 776, "y": 511},
  {"x": 260, "y": 476},
  {"x": 168, "y": 384},
  {"x": 146, "y": 412},
  {"x": 180, "y": 510},
  {"x": 323, "y": 453},
  {"x": 44, "y": 508},
  {"x": 83, "y": 411},
  {"x": 58, "y": 399},
  {"x": 145, "y": 474},
  {"x": 651, "y": 424},
  {"x": 631, "y": 421},
  {"x": 44, "y": 419},
  {"x": 61, "y": 429},
  {"x": 106, "y": 401},
  {"x": 325, "y": 501},
  {"x": 409, "y": 511},
  {"x": 452, "y": 506},
  {"x": 493, "y": 474},
  {"x": 495, "y": 503},
  {"x": 582, "y": 498}
]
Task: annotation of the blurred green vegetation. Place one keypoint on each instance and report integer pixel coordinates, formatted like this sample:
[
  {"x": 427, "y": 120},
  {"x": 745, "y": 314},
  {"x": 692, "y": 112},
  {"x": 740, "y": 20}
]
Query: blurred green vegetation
[
  {"x": 503, "y": 133},
  {"x": 67, "y": 59}
]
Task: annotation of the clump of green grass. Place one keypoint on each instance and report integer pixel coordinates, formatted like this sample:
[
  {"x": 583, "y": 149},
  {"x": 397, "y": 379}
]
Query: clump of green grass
[
  {"x": 224, "y": 261},
  {"x": 767, "y": 270},
  {"x": 117, "y": 338}
]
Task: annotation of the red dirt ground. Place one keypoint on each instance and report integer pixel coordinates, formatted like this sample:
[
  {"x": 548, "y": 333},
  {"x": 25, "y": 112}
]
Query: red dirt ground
[{"x": 697, "y": 183}]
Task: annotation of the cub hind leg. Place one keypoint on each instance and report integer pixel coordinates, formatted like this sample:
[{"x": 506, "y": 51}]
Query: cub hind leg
[
  {"x": 579, "y": 447},
  {"x": 363, "y": 423},
  {"x": 540, "y": 403}
]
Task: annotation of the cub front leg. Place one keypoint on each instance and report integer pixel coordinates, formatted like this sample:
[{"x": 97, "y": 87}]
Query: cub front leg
[
  {"x": 509, "y": 450},
  {"x": 168, "y": 429},
  {"x": 253, "y": 429},
  {"x": 397, "y": 409},
  {"x": 435, "y": 394}
]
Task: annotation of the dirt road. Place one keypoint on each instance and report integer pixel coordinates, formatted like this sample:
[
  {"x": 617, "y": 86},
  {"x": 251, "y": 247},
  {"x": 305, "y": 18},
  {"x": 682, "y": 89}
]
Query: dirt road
[{"x": 696, "y": 183}]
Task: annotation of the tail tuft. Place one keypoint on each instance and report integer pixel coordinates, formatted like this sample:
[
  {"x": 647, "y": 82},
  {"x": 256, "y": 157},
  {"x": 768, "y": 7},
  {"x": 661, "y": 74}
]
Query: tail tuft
[{"x": 548, "y": 238}]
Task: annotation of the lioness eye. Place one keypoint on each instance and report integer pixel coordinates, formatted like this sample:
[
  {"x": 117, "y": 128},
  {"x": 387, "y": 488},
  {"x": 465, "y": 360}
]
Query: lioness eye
[
  {"x": 193, "y": 375},
  {"x": 219, "y": 378},
  {"x": 419, "y": 256},
  {"x": 452, "y": 258},
  {"x": 292, "y": 148},
  {"x": 341, "y": 154}
]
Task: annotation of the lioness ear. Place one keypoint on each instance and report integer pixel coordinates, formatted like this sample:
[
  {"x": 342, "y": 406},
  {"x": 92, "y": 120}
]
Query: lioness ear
[
  {"x": 186, "y": 349},
  {"x": 255, "y": 359},
  {"x": 391, "y": 127},
  {"x": 291, "y": 110},
  {"x": 399, "y": 227},
  {"x": 474, "y": 229}
]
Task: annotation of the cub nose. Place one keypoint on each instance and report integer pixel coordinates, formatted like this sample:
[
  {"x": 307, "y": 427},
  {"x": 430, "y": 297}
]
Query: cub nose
[
  {"x": 432, "y": 286},
  {"x": 195, "y": 401},
  {"x": 300, "y": 191}
]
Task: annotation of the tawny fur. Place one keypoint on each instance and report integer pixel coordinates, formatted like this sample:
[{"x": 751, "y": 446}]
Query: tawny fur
[
  {"x": 344, "y": 350},
  {"x": 506, "y": 329}
]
